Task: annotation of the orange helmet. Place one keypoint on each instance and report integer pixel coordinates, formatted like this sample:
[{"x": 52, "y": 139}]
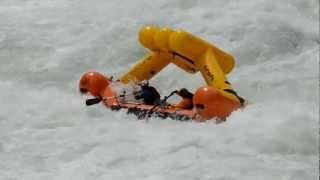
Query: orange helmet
[
  {"x": 209, "y": 103},
  {"x": 93, "y": 83}
]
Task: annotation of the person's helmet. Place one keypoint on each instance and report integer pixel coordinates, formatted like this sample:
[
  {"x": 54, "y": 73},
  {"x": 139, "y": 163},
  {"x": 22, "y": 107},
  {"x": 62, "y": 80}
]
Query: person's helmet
[
  {"x": 93, "y": 83},
  {"x": 210, "y": 102}
]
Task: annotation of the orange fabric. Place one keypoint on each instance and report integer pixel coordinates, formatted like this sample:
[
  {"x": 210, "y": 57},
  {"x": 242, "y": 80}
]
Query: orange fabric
[
  {"x": 209, "y": 102},
  {"x": 110, "y": 97},
  {"x": 213, "y": 103},
  {"x": 93, "y": 82}
]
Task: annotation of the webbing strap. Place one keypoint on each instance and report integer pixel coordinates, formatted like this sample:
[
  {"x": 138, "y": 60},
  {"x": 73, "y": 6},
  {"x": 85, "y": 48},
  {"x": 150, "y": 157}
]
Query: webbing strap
[{"x": 241, "y": 100}]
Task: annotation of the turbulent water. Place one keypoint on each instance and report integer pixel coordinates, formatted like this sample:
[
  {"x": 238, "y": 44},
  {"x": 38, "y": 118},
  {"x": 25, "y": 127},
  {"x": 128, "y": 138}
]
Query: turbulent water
[{"x": 46, "y": 132}]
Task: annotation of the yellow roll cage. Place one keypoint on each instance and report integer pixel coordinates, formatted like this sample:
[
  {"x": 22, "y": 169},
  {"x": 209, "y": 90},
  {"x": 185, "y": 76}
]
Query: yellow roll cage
[{"x": 186, "y": 51}]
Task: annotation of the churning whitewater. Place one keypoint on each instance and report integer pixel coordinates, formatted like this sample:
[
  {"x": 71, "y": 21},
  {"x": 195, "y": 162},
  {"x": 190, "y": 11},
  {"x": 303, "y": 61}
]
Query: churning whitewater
[{"x": 46, "y": 131}]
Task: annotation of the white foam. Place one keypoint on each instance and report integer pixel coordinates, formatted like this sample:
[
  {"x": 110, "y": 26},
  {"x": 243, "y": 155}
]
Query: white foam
[{"x": 46, "y": 132}]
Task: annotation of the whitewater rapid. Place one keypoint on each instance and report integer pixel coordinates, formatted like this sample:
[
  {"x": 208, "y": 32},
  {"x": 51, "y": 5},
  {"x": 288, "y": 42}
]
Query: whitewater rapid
[{"x": 46, "y": 132}]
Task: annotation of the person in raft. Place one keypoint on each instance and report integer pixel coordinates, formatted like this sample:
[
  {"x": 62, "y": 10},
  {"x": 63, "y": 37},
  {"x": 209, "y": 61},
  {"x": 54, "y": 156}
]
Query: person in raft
[{"x": 149, "y": 95}]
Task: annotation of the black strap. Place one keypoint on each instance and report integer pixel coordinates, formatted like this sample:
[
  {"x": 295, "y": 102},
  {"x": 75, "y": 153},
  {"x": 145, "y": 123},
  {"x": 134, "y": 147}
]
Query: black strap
[
  {"x": 241, "y": 100},
  {"x": 183, "y": 57},
  {"x": 161, "y": 102}
]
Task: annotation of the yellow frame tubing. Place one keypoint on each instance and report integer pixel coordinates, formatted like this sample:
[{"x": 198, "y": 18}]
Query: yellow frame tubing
[
  {"x": 193, "y": 48},
  {"x": 213, "y": 74},
  {"x": 185, "y": 50},
  {"x": 147, "y": 67}
]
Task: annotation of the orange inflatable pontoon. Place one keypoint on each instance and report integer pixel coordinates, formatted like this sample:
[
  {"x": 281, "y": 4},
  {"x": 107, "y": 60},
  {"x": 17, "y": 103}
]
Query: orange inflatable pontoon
[{"x": 217, "y": 99}]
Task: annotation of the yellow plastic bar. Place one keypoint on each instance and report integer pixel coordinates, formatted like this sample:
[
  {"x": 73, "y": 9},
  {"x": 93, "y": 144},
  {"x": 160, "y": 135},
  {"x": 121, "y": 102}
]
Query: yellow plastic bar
[
  {"x": 193, "y": 48},
  {"x": 183, "y": 44},
  {"x": 213, "y": 74},
  {"x": 146, "y": 37},
  {"x": 185, "y": 50},
  {"x": 157, "y": 40},
  {"x": 183, "y": 64},
  {"x": 147, "y": 67}
]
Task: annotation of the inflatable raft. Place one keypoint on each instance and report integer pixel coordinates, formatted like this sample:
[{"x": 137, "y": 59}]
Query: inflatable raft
[{"x": 217, "y": 99}]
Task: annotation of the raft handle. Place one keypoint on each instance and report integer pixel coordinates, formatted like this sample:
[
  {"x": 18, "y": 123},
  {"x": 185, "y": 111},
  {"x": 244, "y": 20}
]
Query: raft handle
[{"x": 93, "y": 101}]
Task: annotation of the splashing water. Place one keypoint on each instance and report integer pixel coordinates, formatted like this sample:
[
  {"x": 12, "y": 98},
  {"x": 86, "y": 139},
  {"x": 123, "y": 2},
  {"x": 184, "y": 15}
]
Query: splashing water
[{"x": 46, "y": 132}]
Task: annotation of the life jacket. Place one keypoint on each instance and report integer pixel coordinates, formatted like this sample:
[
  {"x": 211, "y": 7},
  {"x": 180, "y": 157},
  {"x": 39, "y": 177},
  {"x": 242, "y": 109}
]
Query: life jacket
[{"x": 149, "y": 95}]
